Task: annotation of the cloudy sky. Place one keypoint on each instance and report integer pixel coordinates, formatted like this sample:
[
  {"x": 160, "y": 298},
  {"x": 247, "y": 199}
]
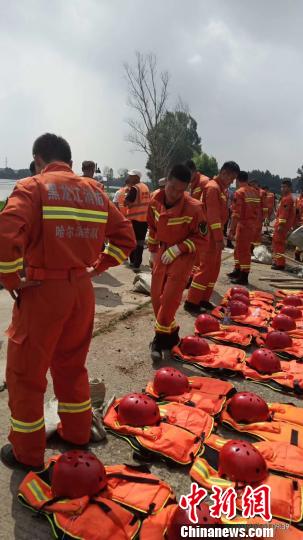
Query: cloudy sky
[{"x": 236, "y": 63}]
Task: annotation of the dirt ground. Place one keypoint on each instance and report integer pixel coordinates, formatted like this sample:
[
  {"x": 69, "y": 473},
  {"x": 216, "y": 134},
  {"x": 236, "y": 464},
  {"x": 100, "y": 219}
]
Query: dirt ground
[{"x": 120, "y": 355}]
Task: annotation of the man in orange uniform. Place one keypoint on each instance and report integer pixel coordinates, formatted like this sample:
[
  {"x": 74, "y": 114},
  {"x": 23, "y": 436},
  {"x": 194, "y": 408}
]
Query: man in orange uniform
[
  {"x": 285, "y": 220},
  {"x": 270, "y": 203},
  {"x": 299, "y": 221},
  {"x": 54, "y": 225},
  {"x": 137, "y": 201},
  {"x": 198, "y": 181},
  {"x": 263, "y": 212},
  {"x": 245, "y": 211},
  {"x": 214, "y": 205},
  {"x": 174, "y": 220}
]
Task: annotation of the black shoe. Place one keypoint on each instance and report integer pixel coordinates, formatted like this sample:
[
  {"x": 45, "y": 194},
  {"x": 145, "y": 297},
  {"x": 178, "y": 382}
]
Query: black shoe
[
  {"x": 275, "y": 267},
  {"x": 229, "y": 244},
  {"x": 155, "y": 350},
  {"x": 9, "y": 460},
  {"x": 235, "y": 273},
  {"x": 242, "y": 279},
  {"x": 207, "y": 305},
  {"x": 297, "y": 257},
  {"x": 193, "y": 309}
]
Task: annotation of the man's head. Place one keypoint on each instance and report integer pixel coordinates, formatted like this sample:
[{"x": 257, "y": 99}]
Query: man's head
[
  {"x": 286, "y": 187},
  {"x": 177, "y": 183},
  {"x": 162, "y": 183},
  {"x": 242, "y": 177},
  {"x": 190, "y": 164},
  {"x": 32, "y": 168},
  {"x": 266, "y": 188},
  {"x": 253, "y": 183},
  {"x": 134, "y": 177},
  {"x": 88, "y": 168},
  {"x": 48, "y": 148},
  {"x": 228, "y": 173}
]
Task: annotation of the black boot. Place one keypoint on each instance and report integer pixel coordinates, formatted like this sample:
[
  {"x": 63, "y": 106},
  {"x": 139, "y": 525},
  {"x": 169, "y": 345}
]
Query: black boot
[
  {"x": 298, "y": 256},
  {"x": 229, "y": 244},
  {"x": 205, "y": 304},
  {"x": 155, "y": 349},
  {"x": 193, "y": 309},
  {"x": 241, "y": 280},
  {"x": 235, "y": 273},
  {"x": 9, "y": 460}
]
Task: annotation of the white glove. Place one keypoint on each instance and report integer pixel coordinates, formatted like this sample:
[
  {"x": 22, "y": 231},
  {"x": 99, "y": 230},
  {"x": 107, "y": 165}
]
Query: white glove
[
  {"x": 170, "y": 254},
  {"x": 152, "y": 258}
]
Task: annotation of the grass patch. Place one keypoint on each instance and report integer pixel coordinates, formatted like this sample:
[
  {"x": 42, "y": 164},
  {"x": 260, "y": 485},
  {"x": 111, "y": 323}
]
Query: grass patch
[{"x": 2, "y": 203}]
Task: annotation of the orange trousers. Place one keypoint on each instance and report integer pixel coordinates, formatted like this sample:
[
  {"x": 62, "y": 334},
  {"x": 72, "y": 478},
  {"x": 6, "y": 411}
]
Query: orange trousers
[
  {"x": 168, "y": 284},
  {"x": 51, "y": 328},
  {"x": 278, "y": 248},
  {"x": 245, "y": 235},
  {"x": 257, "y": 238},
  {"x": 205, "y": 279}
]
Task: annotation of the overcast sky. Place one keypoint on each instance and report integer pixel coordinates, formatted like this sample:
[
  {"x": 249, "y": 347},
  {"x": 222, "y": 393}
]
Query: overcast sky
[{"x": 236, "y": 63}]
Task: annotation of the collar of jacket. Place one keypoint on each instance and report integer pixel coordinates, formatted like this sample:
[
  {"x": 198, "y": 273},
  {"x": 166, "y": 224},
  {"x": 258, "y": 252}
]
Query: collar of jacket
[
  {"x": 218, "y": 181},
  {"x": 175, "y": 210},
  {"x": 57, "y": 166}
]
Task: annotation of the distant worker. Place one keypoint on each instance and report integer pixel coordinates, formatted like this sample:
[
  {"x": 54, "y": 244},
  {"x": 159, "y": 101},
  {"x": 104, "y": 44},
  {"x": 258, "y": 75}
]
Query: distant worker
[
  {"x": 271, "y": 203},
  {"x": 161, "y": 186},
  {"x": 299, "y": 221},
  {"x": 285, "y": 219},
  {"x": 214, "y": 205},
  {"x": 174, "y": 220},
  {"x": 244, "y": 218},
  {"x": 198, "y": 181},
  {"x": 137, "y": 201},
  {"x": 263, "y": 212},
  {"x": 119, "y": 199},
  {"x": 88, "y": 168},
  {"x": 55, "y": 224}
]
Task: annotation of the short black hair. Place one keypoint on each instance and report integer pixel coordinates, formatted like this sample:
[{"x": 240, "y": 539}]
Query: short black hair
[
  {"x": 287, "y": 183},
  {"x": 51, "y": 147},
  {"x": 231, "y": 166},
  {"x": 265, "y": 187},
  {"x": 32, "y": 168},
  {"x": 180, "y": 172},
  {"x": 88, "y": 165},
  {"x": 243, "y": 176},
  {"x": 190, "y": 164}
]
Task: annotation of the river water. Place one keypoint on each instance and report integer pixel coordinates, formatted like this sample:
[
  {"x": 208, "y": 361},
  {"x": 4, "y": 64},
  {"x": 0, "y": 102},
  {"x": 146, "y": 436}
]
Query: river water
[{"x": 6, "y": 187}]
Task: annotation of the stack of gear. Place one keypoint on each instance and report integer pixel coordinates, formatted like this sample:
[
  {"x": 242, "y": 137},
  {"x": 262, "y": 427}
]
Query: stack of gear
[
  {"x": 79, "y": 496},
  {"x": 210, "y": 328},
  {"x": 204, "y": 393},
  {"x": 170, "y": 431},
  {"x": 281, "y": 294},
  {"x": 283, "y": 344},
  {"x": 245, "y": 308},
  {"x": 237, "y": 464}
]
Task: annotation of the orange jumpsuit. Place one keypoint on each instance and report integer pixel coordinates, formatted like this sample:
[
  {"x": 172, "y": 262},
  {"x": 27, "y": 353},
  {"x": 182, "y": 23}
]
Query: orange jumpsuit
[
  {"x": 54, "y": 225},
  {"x": 177, "y": 225},
  {"x": 214, "y": 206},
  {"x": 270, "y": 200},
  {"x": 197, "y": 185},
  {"x": 299, "y": 215},
  {"x": 285, "y": 219},
  {"x": 262, "y": 215},
  {"x": 245, "y": 212}
]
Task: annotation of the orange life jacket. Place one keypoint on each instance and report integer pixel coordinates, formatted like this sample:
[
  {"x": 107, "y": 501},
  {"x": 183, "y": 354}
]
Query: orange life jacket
[
  {"x": 256, "y": 317},
  {"x": 286, "y": 424},
  {"x": 137, "y": 210},
  {"x": 257, "y": 295},
  {"x": 171, "y": 441},
  {"x": 289, "y": 379},
  {"x": 254, "y": 303},
  {"x": 237, "y": 335},
  {"x": 220, "y": 357},
  {"x": 205, "y": 393},
  {"x": 295, "y": 351},
  {"x": 282, "y": 293},
  {"x": 121, "y": 201}
]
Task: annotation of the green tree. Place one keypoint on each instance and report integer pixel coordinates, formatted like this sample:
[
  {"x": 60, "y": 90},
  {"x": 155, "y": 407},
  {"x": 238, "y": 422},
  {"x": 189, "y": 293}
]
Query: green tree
[
  {"x": 206, "y": 164},
  {"x": 300, "y": 178}
]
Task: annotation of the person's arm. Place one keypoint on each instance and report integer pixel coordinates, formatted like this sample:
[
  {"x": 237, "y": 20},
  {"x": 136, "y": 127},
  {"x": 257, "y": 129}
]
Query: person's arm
[
  {"x": 16, "y": 220},
  {"x": 213, "y": 212},
  {"x": 131, "y": 196},
  {"x": 196, "y": 235},
  {"x": 237, "y": 209},
  {"x": 285, "y": 211},
  {"x": 120, "y": 241}
]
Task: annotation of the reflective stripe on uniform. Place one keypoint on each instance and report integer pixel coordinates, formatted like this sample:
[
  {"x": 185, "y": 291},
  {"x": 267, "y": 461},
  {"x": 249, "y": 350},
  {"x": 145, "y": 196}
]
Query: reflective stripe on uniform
[
  {"x": 190, "y": 244},
  {"x": 201, "y": 470},
  {"x": 27, "y": 427},
  {"x": 156, "y": 213},
  {"x": 115, "y": 252},
  {"x": 196, "y": 285},
  {"x": 215, "y": 226},
  {"x": 8, "y": 267},
  {"x": 282, "y": 220},
  {"x": 78, "y": 214},
  {"x": 74, "y": 407},
  {"x": 197, "y": 190},
  {"x": 210, "y": 285},
  {"x": 179, "y": 220},
  {"x": 165, "y": 329},
  {"x": 153, "y": 241},
  {"x": 36, "y": 491}
]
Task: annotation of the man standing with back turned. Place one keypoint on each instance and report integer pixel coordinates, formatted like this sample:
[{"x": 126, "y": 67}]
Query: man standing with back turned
[
  {"x": 137, "y": 201},
  {"x": 55, "y": 224}
]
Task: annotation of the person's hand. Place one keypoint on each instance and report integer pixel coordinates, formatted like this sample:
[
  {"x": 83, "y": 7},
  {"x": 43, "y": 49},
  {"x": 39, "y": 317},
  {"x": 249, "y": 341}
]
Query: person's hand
[
  {"x": 90, "y": 272},
  {"x": 170, "y": 254},
  {"x": 152, "y": 258},
  {"x": 23, "y": 284}
]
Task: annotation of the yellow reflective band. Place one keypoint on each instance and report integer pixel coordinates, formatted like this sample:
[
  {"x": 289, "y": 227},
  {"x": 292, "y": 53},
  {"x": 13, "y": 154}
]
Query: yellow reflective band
[
  {"x": 157, "y": 214},
  {"x": 10, "y": 267},
  {"x": 223, "y": 196},
  {"x": 152, "y": 241},
  {"x": 78, "y": 214},
  {"x": 211, "y": 285},
  {"x": 191, "y": 246},
  {"x": 165, "y": 329},
  {"x": 180, "y": 220},
  {"x": 198, "y": 286},
  {"x": 171, "y": 253},
  {"x": 212, "y": 480},
  {"x": 197, "y": 190},
  {"x": 74, "y": 407},
  {"x": 115, "y": 252},
  {"x": 281, "y": 220},
  {"x": 37, "y": 492},
  {"x": 27, "y": 427},
  {"x": 215, "y": 226}
]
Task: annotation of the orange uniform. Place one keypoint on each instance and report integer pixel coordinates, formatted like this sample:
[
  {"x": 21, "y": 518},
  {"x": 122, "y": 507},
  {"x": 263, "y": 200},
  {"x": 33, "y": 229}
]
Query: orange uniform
[
  {"x": 197, "y": 185},
  {"x": 178, "y": 225},
  {"x": 270, "y": 201},
  {"x": 245, "y": 213},
  {"x": 137, "y": 212},
  {"x": 262, "y": 215},
  {"x": 214, "y": 207},
  {"x": 299, "y": 219},
  {"x": 120, "y": 200},
  {"x": 54, "y": 225},
  {"x": 285, "y": 220}
]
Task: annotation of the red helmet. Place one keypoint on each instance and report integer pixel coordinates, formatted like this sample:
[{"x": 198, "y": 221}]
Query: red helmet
[
  {"x": 240, "y": 461},
  {"x": 278, "y": 340},
  {"x": 138, "y": 410},
  {"x": 293, "y": 300},
  {"x": 77, "y": 473},
  {"x": 239, "y": 290},
  {"x": 283, "y": 323},
  {"x": 292, "y": 311},
  {"x": 206, "y": 323},
  {"x": 181, "y": 517},
  {"x": 194, "y": 346},
  {"x": 247, "y": 407},
  {"x": 169, "y": 381},
  {"x": 241, "y": 298},
  {"x": 265, "y": 361},
  {"x": 237, "y": 308}
]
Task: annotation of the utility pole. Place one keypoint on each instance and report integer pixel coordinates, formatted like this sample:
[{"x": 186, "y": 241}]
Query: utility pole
[{"x": 6, "y": 162}]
